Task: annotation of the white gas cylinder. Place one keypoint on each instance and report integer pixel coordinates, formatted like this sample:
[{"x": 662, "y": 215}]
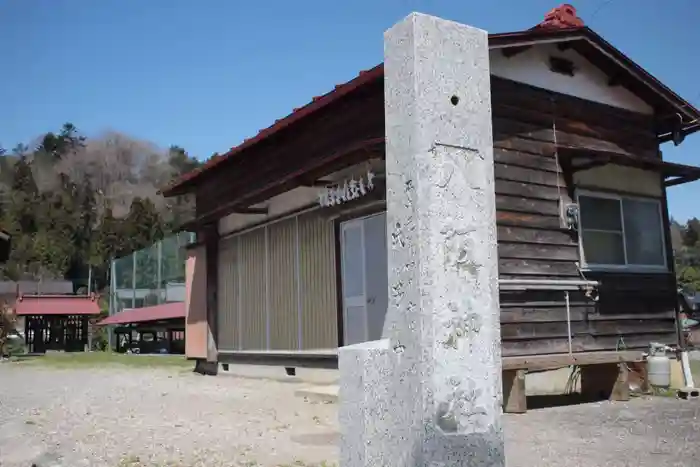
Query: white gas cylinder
[{"x": 658, "y": 366}]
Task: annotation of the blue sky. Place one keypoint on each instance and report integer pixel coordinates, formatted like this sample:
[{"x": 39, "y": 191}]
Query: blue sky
[{"x": 204, "y": 74}]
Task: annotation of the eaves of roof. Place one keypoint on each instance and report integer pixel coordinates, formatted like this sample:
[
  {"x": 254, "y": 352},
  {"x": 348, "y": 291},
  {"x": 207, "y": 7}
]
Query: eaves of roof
[{"x": 526, "y": 38}]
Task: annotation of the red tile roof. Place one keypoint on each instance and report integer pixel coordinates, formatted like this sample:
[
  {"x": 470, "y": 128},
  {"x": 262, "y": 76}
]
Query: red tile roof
[
  {"x": 561, "y": 17},
  {"x": 146, "y": 314},
  {"x": 559, "y": 23},
  {"x": 316, "y": 104},
  {"x": 56, "y": 305}
]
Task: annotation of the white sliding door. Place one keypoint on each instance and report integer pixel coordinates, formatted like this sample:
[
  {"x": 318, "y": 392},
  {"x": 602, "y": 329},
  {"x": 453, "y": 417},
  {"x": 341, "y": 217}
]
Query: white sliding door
[{"x": 364, "y": 278}]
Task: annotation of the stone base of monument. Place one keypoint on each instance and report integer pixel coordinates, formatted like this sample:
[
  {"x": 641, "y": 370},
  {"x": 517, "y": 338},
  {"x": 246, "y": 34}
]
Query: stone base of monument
[{"x": 364, "y": 416}]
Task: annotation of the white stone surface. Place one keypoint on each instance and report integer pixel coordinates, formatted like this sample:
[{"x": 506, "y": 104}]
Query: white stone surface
[{"x": 429, "y": 394}]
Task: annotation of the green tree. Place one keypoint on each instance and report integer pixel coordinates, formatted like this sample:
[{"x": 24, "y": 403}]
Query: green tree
[
  {"x": 68, "y": 202},
  {"x": 59, "y": 144},
  {"x": 181, "y": 208},
  {"x": 143, "y": 224},
  {"x": 23, "y": 195},
  {"x": 180, "y": 161},
  {"x": 691, "y": 232}
]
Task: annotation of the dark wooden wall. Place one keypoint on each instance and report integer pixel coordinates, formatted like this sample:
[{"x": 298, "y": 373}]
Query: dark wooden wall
[
  {"x": 531, "y": 185},
  {"x": 313, "y": 147},
  {"x": 633, "y": 309}
]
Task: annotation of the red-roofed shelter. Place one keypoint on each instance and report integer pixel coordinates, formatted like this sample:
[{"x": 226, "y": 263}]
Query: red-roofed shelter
[
  {"x": 151, "y": 329},
  {"x": 148, "y": 314},
  {"x": 56, "y": 322}
]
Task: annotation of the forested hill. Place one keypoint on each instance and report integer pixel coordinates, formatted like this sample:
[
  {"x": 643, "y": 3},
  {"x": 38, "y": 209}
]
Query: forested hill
[
  {"x": 686, "y": 246},
  {"x": 71, "y": 202}
]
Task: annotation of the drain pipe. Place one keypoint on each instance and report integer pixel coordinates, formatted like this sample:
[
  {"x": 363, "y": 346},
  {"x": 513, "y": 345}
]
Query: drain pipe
[
  {"x": 568, "y": 322},
  {"x": 543, "y": 284},
  {"x": 687, "y": 374}
]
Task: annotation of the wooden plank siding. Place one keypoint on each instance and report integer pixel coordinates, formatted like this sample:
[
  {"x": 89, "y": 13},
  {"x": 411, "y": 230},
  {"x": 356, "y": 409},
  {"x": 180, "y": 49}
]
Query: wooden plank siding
[
  {"x": 353, "y": 119},
  {"x": 532, "y": 186}
]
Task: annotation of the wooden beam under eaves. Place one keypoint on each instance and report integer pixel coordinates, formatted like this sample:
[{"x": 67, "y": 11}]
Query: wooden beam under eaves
[
  {"x": 257, "y": 211},
  {"x": 591, "y": 164},
  {"x": 614, "y": 80},
  {"x": 513, "y": 51},
  {"x": 317, "y": 183},
  {"x": 681, "y": 180}
]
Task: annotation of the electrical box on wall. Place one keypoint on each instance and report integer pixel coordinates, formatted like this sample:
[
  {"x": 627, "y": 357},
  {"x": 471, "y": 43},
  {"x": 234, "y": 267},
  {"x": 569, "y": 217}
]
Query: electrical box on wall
[{"x": 569, "y": 215}]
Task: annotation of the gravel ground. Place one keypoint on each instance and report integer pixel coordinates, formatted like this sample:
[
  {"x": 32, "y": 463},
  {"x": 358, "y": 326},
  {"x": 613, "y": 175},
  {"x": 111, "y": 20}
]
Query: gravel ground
[{"x": 123, "y": 417}]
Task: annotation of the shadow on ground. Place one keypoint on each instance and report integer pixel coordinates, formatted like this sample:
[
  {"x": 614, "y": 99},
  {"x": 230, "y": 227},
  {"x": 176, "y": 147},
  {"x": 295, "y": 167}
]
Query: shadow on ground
[{"x": 558, "y": 400}]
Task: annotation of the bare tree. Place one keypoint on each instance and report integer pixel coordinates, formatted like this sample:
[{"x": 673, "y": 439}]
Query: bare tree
[{"x": 119, "y": 168}]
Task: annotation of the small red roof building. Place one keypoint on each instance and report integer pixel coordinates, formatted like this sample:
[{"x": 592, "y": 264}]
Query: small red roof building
[
  {"x": 64, "y": 305},
  {"x": 147, "y": 314}
]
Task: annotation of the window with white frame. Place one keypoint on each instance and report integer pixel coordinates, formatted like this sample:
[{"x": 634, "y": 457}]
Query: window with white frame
[{"x": 621, "y": 231}]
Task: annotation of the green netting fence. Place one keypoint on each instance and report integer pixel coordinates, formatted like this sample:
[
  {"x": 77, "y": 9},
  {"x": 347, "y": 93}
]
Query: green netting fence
[{"x": 150, "y": 276}]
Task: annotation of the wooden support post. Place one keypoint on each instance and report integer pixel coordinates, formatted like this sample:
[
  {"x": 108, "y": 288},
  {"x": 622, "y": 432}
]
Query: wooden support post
[
  {"x": 204, "y": 367},
  {"x": 621, "y": 390},
  {"x": 638, "y": 376},
  {"x": 514, "y": 396},
  {"x": 605, "y": 381},
  {"x": 211, "y": 245}
]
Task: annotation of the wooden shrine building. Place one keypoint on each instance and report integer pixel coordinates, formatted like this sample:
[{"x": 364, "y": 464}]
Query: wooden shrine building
[
  {"x": 290, "y": 261},
  {"x": 56, "y": 322}
]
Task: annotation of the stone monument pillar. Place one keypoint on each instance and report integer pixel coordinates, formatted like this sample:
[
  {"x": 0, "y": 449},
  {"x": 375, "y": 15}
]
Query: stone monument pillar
[{"x": 429, "y": 393}]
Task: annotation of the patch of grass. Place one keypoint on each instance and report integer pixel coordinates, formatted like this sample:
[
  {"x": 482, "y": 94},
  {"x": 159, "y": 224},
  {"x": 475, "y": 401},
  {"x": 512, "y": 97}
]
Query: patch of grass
[
  {"x": 101, "y": 359},
  {"x": 665, "y": 392}
]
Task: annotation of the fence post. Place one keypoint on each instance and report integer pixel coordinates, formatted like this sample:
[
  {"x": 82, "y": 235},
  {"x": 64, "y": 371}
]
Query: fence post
[
  {"x": 112, "y": 293},
  {"x": 159, "y": 273},
  {"x": 133, "y": 279}
]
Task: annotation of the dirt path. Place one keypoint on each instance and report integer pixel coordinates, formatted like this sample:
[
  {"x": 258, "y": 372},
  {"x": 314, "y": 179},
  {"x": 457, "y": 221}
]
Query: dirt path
[
  {"x": 129, "y": 416},
  {"x": 121, "y": 417}
]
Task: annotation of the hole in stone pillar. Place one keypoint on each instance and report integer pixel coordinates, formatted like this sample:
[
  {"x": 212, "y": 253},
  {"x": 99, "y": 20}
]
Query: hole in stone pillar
[{"x": 454, "y": 100}]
